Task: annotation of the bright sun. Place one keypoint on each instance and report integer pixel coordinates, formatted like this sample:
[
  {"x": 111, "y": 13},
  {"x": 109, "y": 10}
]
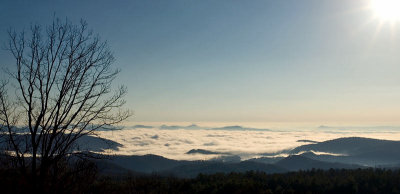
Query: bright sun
[{"x": 388, "y": 10}]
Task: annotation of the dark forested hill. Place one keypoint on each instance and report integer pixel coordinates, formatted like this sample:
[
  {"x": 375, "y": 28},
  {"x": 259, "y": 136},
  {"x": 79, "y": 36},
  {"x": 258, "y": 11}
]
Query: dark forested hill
[
  {"x": 297, "y": 162},
  {"x": 354, "y": 150},
  {"x": 205, "y": 167}
]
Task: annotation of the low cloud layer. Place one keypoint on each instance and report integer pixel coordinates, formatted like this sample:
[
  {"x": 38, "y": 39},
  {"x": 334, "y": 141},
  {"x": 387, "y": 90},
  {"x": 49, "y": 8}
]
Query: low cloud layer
[{"x": 247, "y": 144}]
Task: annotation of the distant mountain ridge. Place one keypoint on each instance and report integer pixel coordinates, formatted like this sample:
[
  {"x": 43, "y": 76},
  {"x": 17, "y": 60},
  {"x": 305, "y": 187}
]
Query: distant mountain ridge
[
  {"x": 239, "y": 128},
  {"x": 194, "y": 127}
]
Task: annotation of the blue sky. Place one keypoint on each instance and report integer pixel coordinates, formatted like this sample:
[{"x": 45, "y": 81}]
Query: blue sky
[{"x": 243, "y": 61}]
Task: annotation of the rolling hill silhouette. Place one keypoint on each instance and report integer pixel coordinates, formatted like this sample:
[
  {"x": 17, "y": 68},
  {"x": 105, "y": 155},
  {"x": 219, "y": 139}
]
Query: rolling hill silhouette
[
  {"x": 298, "y": 162},
  {"x": 356, "y": 150},
  {"x": 356, "y": 153}
]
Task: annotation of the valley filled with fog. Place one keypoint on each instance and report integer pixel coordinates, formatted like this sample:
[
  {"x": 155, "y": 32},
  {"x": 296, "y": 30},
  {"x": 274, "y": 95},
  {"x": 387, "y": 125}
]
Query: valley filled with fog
[{"x": 196, "y": 142}]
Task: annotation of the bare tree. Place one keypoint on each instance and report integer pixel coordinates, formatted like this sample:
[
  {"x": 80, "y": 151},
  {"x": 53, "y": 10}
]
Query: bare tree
[{"x": 61, "y": 91}]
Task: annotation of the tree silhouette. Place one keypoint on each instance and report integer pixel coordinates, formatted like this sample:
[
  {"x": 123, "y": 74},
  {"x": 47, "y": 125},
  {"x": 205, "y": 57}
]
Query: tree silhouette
[{"x": 61, "y": 90}]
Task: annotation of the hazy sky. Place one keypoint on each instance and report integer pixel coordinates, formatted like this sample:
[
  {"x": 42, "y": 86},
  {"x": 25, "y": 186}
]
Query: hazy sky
[{"x": 235, "y": 60}]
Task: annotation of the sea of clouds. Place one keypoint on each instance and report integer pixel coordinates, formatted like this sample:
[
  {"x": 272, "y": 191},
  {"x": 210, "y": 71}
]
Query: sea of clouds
[{"x": 175, "y": 141}]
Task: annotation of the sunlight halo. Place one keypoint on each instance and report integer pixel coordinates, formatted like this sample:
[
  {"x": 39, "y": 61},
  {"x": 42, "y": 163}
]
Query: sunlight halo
[{"x": 387, "y": 10}]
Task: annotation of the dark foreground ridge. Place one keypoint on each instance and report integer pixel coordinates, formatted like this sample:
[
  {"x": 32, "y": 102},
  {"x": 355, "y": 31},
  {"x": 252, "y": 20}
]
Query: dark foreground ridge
[
  {"x": 150, "y": 164},
  {"x": 312, "y": 181}
]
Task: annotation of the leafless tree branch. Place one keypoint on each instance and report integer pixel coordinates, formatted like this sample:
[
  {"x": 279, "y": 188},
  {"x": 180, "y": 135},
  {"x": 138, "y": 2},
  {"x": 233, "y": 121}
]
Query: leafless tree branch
[{"x": 63, "y": 82}]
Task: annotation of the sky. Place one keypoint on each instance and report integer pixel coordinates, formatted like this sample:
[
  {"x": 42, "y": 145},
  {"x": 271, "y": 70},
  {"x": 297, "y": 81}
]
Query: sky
[{"x": 318, "y": 61}]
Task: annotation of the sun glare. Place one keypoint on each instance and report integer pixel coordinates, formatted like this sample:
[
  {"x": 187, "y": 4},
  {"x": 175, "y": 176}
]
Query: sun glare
[{"x": 388, "y": 10}]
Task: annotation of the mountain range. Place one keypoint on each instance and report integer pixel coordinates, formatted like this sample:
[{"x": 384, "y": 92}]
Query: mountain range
[{"x": 342, "y": 153}]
